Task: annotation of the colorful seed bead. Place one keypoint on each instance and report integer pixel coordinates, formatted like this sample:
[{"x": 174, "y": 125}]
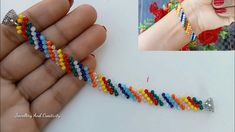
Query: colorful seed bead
[
  {"x": 129, "y": 92},
  {"x": 113, "y": 87},
  {"x": 157, "y": 98},
  {"x": 152, "y": 99},
  {"x": 167, "y": 100},
  {"x": 50, "y": 50},
  {"x": 145, "y": 96},
  {"x": 61, "y": 59},
  {"x": 141, "y": 91},
  {"x": 137, "y": 96},
  {"x": 194, "y": 105},
  {"x": 198, "y": 102},
  {"x": 83, "y": 73},
  {"x": 93, "y": 78},
  {"x": 172, "y": 101},
  {"x": 178, "y": 102},
  {"x": 122, "y": 89},
  {"x": 102, "y": 83},
  {"x": 187, "y": 102}
]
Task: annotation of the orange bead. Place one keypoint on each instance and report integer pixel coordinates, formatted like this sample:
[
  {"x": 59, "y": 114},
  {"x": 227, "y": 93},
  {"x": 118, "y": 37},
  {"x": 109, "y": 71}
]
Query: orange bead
[
  {"x": 182, "y": 107},
  {"x": 49, "y": 43}
]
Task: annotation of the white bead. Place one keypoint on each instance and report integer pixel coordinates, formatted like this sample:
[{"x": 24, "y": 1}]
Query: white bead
[
  {"x": 33, "y": 33},
  {"x": 80, "y": 77},
  {"x": 75, "y": 62},
  {"x": 36, "y": 42},
  {"x": 53, "y": 47},
  {"x": 33, "y": 28},
  {"x": 36, "y": 47},
  {"x": 34, "y": 38}
]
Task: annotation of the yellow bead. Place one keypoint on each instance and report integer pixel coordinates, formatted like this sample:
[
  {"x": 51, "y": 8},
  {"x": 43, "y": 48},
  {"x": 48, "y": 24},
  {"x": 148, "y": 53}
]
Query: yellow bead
[
  {"x": 20, "y": 16},
  {"x": 148, "y": 99},
  {"x": 150, "y": 102},
  {"x": 145, "y": 95},
  {"x": 19, "y": 20},
  {"x": 60, "y": 55},
  {"x": 59, "y": 51},
  {"x": 61, "y": 60},
  {"x": 18, "y": 27},
  {"x": 99, "y": 75},
  {"x": 63, "y": 68},
  {"x": 141, "y": 90},
  {"x": 105, "y": 91},
  {"x": 19, "y": 31}
]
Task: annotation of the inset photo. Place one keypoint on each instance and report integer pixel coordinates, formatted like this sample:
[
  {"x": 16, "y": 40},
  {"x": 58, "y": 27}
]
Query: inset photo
[{"x": 186, "y": 25}]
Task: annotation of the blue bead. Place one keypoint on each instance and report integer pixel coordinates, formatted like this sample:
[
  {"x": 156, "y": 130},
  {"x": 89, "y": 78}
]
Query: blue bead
[
  {"x": 44, "y": 47},
  {"x": 86, "y": 67}
]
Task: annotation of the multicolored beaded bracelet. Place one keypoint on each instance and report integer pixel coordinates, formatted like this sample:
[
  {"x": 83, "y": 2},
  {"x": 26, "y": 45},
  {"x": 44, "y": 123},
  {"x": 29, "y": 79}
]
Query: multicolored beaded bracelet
[
  {"x": 98, "y": 81},
  {"x": 186, "y": 24}
]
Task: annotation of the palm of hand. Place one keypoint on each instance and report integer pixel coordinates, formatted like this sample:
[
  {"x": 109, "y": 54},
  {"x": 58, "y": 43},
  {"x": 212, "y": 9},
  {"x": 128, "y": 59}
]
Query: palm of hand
[
  {"x": 30, "y": 84},
  {"x": 16, "y": 104}
]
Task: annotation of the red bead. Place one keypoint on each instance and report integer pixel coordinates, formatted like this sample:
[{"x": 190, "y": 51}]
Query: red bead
[{"x": 25, "y": 19}]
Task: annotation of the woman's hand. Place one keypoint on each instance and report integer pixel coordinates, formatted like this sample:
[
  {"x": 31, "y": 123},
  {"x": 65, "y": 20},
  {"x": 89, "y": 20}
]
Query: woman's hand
[
  {"x": 30, "y": 84},
  {"x": 209, "y": 14}
]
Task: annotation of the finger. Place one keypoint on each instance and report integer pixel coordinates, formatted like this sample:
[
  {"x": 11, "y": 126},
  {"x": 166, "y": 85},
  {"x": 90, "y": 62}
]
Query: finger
[
  {"x": 223, "y": 3},
  {"x": 47, "y": 74},
  {"x": 43, "y": 14},
  {"x": 59, "y": 95},
  {"x": 60, "y": 34},
  {"x": 226, "y": 12}
]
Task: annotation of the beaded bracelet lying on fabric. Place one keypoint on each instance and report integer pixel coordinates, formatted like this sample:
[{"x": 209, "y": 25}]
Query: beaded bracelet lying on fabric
[
  {"x": 186, "y": 24},
  {"x": 82, "y": 72}
]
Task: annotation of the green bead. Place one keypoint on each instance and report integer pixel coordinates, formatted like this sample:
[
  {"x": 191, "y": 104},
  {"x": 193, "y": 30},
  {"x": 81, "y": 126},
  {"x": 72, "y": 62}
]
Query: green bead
[
  {"x": 156, "y": 97},
  {"x": 116, "y": 93},
  {"x": 161, "y": 103},
  {"x": 75, "y": 74},
  {"x": 152, "y": 92},
  {"x": 29, "y": 24},
  {"x": 201, "y": 107},
  {"x": 200, "y": 102},
  {"x": 109, "y": 80},
  {"x": 71, "y": 58},
  {"x": 31, "y": 41}
]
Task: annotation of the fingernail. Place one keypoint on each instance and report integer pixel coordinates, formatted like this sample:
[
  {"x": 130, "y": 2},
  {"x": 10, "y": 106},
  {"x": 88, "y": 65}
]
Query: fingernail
[
  {"x": 71, "y": 2},
  {"x": 93, "y": 55},
  {"x": 104, "y": 28},
  {"x": 220, "y": 10},
  {"x": 218, "y": 2}
]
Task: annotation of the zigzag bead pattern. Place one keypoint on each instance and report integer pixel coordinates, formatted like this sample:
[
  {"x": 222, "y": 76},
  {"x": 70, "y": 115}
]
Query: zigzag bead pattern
[{"x": 68, "y": 64}]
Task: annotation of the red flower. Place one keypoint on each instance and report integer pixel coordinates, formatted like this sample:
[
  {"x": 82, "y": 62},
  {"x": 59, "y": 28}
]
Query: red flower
[
  {"x": 209, "y": 36},
  {"x": 158, "y": 14},
  {"x": 153, "y": 7}
]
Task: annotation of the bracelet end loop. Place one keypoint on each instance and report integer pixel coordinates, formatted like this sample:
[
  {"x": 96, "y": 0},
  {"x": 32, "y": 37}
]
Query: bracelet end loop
[
  {"x": 209, "y": 105},
  {"x": 10, "y": 18}
]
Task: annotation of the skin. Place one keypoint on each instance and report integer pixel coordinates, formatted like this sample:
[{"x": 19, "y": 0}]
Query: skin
[
  {"x": 168, "y": 34},
  {"x": 30, "y": 83}
]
